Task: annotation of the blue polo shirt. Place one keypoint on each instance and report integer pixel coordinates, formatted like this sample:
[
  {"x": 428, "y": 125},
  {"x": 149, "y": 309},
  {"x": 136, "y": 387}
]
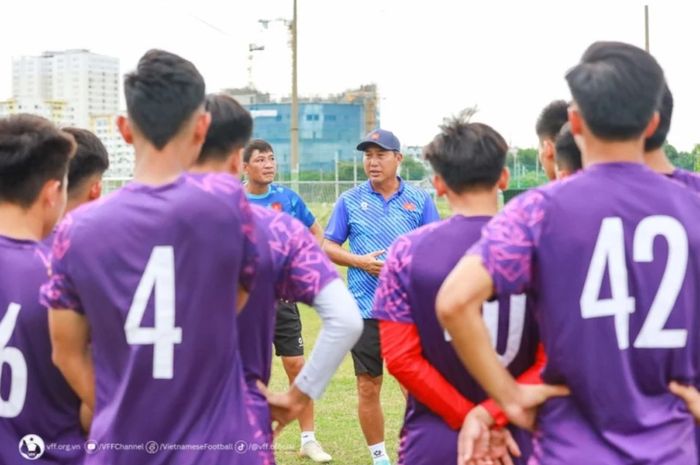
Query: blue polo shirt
[
  {"x": 285, "y": 200},
  {"x": 372, "y": 223}
]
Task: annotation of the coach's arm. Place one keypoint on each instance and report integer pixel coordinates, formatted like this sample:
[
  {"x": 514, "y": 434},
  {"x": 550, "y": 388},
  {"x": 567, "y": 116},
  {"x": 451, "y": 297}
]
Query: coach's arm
[{"x": 342, "y": 257}]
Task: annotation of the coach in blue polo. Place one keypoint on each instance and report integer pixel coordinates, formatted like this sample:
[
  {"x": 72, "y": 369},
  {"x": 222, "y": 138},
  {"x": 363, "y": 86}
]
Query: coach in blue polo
[{"x": 371, "y": 216}]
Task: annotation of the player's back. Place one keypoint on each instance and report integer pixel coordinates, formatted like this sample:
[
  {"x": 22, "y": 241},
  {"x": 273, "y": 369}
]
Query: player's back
[
  {"x": 36, "y": 399},
  {"x": 616, "y": 266},
  {"x": 156, "y": 271},
  {"x": 435, "y": 252},
  {"x": 421, "y": 260},
  {"x": 688, "y": 178}
]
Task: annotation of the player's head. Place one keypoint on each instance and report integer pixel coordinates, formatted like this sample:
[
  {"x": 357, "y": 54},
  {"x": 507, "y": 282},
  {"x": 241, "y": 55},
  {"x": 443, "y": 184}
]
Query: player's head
[
  {"x": 259, "y": 162},
  {"x": 229, "y": 132},
  {"x": 34, "y": 156},
  {"x": 467, "y": 157},
  {"x": 86, "y": 168},
  {"x": 657, "y": 140},
  {"x": 617, "y": 91},
  {"x": 568, "y": 155},
  {"x": 382, "y": 155},
  {"x": 548, "y": 125},
  {"x": 165, "y": 105}
]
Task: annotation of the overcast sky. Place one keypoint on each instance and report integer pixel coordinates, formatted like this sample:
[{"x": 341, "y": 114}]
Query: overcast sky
[{"x": 430, "y": 59}]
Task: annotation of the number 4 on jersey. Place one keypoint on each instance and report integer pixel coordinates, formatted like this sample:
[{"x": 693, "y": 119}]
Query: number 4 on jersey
[
  {"x": 159, "y": 275},
  {"x": 610, "y": 251}
]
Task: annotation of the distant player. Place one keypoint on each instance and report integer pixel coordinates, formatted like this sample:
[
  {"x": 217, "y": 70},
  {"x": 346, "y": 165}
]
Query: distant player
[
  {"x": 86, "y": 168},
  {"x": 611, "y": 260},
  {"x": 144, "y": 289},
  {"x": 548, "y": 125},
  {"x": 292, "y": 266},
  {"x": 371, "y": 216},
  {"x": 469, "y": 164},
  {"x": 260, "y": 167},
  {"x": 567, "y": 155},
  {"x": 654, "y": 155},
  {"x": 36, "y": 399}
]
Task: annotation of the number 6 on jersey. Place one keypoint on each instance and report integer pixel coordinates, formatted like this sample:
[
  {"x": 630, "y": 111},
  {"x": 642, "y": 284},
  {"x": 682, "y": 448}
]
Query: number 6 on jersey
[{"x": 159, "y": 275}]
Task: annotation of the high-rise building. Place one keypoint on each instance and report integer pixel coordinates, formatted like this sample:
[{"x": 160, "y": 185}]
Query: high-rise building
[
  {"x": 329, "y": 127},
  {"x": 87, "y": 82},
  {"x": 121, "y": 154}
]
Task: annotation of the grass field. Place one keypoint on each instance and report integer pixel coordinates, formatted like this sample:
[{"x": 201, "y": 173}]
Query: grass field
[{"x": 337, "y": 427}]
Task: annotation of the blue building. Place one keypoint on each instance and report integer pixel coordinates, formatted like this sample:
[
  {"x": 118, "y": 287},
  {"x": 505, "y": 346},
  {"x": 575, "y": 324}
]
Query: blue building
[{"x": 327, "y": 127}]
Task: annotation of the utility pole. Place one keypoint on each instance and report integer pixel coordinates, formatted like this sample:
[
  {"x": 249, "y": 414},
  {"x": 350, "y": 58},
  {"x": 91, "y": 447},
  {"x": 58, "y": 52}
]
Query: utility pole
[
  {"x": 646, "y": 27},
  {"x": 294, "y": 126}
]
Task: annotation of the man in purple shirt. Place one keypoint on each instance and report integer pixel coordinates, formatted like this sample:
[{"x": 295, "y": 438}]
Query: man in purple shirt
[
  {"x": 610, "y": 258},
  {"x": 654, "y": 155},
  {"x": 469, "y": 164},
  {"x": 145, "y": 287},
  {"x": 39, "y": 413},
  {"x": 292, "y": 266}
]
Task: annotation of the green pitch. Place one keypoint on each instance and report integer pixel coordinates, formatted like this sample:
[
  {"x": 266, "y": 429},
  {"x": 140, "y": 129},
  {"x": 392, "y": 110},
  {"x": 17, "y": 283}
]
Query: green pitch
[{"x": 337, "y": 427}]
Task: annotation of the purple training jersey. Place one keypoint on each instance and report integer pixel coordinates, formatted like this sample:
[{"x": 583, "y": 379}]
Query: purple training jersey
[
  {"x": 35, "y": 399},
  {"x": 688, "y": 178},
  {"x": 155, "y": 270},
  {"x": 292, "y": 267},
  {"x": 418, "y": 264},
  {"x": 611, "y": 259}
]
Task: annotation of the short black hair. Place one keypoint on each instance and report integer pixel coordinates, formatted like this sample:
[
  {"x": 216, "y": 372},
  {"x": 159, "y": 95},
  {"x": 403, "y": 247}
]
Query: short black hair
[
  {"x": 617, "y": 88},
  {"x": 257, "y": 144},
  {"x": 32, "y": 152},
  {"x": 162, "y": 94},
  {"x": 567, "y": 153},
  {"x": 230, "y": 129},
  {"x": 551, "y": 119},
  {"x": 656, "y": 141},
  {"x": 468, "y": 156},
  {"x": 90, "y": 158}
]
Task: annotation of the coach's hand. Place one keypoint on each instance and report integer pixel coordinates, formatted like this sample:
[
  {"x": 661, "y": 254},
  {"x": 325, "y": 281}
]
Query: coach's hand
[
  {"x": 370, "y": 264},
  {"x": 690, "y": 396},
  {"x": 523, "y": 411},
  {"x": 286, "y": 407}
]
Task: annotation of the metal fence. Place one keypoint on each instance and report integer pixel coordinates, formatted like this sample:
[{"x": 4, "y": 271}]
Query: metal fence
[{"x": 325, "y": 192}]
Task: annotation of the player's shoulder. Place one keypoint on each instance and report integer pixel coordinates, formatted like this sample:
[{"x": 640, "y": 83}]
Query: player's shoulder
[{"x": 687, "y": 178}]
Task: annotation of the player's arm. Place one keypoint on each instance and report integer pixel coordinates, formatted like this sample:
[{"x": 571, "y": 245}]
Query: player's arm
[
  {"x": 317, "y": 231},
  {"x": 690, "y": 396},
  {"x": 341, "y": 328},
  {"x": 70, "y": 342},
  {"x": 501, "y": 261},
  {"x": 401, "y": 349},
  {"x": 309, "y": 277}
]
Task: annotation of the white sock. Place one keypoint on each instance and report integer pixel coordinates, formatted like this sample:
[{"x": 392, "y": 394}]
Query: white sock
[
  {"x": 307, "y": 436},
  {"x": 378, "y": 451}
]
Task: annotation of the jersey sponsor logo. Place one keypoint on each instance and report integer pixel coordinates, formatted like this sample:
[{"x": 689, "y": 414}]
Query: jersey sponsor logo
[
  {"x": 276, "y": 206},
  {"x": 364, "y": 206},
  {"x": 31, "y": 447},
  {"x": 409, "y": 206}
]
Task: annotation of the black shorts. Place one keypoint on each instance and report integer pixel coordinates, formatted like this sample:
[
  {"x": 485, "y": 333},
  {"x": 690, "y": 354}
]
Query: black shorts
[
  {"x": 288, "y": 340},
  {"x": 367, "y": 353}
]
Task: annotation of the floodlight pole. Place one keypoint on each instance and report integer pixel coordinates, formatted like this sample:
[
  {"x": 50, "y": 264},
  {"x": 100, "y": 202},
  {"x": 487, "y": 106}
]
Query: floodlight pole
[
  {"x": 646, "y": 27},
  {"x": 294, "y": 125}
]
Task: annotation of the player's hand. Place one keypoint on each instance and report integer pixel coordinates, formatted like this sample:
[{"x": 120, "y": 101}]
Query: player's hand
[
  {"x": 523, "y": 411},
  {"x": 478, "y": 444},
  {"x": 370, "y": 264},
  {"x": 85, "y": 417},
  {"x": 690, "y": 396},
  {"x": 286, "y": 407}
]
